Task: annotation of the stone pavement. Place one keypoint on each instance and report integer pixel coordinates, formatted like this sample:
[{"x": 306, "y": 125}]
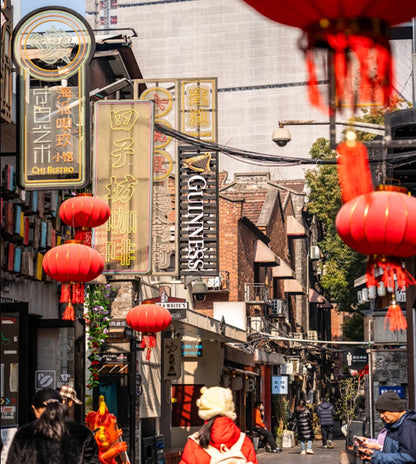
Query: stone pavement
[{"x": 292, "y": 456}]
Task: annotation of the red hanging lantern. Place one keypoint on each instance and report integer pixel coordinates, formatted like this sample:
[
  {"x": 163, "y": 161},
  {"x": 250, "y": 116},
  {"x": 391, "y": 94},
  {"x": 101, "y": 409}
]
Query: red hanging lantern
[
  {"x": 84, "y": 212},
  {"x": 382, "y": 224},
  {"x": 345, "y": 26},
  {"x": 73, "y": 264},
  {"x": 148, "y": 318}
]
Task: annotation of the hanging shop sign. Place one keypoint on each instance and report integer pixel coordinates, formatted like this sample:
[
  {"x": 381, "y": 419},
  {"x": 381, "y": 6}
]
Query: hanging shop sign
[
  {"x": 172, "y": 358},
  {"x": 279, "y": 384},
  {"x": 52, "y": 48},
  {"x": 198, "y": 198},
  {"x": 188, "y": 106},
  {"x": 123, "y": 145},
  {"x": 199, "y": 108}
]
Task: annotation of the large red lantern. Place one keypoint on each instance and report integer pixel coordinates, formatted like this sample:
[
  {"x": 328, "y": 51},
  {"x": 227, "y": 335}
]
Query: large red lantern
[
  {"x": 73, "y": 264},
  {"x": 382, "y": 224},
  {"x": 345, "y": 26},
  {"x": 84, "y": 212},
  {"x": 148, "y": 318}
]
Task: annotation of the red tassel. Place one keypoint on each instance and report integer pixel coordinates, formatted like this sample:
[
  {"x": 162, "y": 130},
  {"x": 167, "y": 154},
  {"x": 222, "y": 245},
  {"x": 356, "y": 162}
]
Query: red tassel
[
  {"x": 69, "y": 313},
  {"x": 338, "y": 42},
  {"x": 149, "y": 342},
  {"x": 84, "y": 234},
  {"x": 354, "y": 173},
  {"x": 77, "y": 292},
  {"x": 65, "y": 293},
  {"x": 395, "y": 317},
  {"x": 314, "y": 95}
]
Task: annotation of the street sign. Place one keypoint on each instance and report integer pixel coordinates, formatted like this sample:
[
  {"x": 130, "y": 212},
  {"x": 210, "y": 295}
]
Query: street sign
[
  {"x": 397, "y": 389},
  {"x": 279, "y": 384},
  {"x": 356, "y": 358},
  {"x": 45, "y": 379}
]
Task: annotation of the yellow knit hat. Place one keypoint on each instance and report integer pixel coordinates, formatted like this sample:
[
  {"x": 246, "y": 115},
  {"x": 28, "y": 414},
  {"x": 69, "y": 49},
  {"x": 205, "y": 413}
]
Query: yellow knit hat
[{"x": 216, "y": 401}]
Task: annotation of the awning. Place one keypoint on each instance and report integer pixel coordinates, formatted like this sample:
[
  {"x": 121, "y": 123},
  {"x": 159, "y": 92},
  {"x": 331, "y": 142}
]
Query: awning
[
  {"x": 316, "y": 298},
  {"x": 272, "y": 359},
  {"x": 292, "y": 286},
  {"x": 283, "y": 271},
  {"x": 294, "y": 228},
  {"x": 264, "y": 255}
]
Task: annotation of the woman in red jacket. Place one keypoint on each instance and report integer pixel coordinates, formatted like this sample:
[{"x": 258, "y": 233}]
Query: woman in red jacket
[{"x": 216, "y": 407}]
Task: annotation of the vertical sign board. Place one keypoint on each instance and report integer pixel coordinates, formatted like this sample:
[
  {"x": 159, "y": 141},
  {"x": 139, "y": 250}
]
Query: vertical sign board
[
  {"x": 52, "y": 49},
  {"x": 198, "y": 221},
  {"x": 164, "y": 218},
  {"x": 123, "y": 143}
]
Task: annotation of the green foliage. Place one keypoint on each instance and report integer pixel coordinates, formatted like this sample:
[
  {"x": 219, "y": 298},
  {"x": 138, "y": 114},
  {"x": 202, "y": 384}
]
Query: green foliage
[
  {"x": 353, "y": 328},
  {"x": 97, "y": 318},
  {"x": 350, "y": 390},
  {"x": 342, "y": 264}
]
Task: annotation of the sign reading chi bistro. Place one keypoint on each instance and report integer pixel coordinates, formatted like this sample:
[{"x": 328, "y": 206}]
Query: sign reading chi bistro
[
  {"x": 52, "y": 48},
  {"x": 123, "y": 146}
]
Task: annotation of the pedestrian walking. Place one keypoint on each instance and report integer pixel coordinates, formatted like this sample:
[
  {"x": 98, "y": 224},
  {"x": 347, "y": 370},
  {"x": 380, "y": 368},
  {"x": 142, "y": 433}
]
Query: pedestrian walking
[
  {"x": 219, "y": 437},
  {"x": 69, "y": 396},
  {"x": 399, "y": 446},
  {"x": 325, "y": 412},
  {"x": 52, "y": 438},
  {"x": 303, "y": 423},
  {"x": 261, "y": 429}
]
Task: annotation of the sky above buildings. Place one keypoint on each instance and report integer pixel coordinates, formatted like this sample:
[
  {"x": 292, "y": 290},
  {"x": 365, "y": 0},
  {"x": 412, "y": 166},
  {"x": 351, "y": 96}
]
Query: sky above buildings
[{"x": 29, "y": 5}]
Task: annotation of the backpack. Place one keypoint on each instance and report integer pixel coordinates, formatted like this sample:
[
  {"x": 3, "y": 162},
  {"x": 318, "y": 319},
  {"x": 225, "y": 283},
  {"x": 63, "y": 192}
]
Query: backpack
[{"x": 225, "y": 455}]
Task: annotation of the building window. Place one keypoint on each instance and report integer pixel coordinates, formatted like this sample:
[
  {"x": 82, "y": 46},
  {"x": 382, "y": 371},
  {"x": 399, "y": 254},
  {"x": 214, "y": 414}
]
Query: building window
[
  {"x": 102, "y": 21},
  {"x": 113, "y": 20},
  {"x": 102, "y": 4},
  {"x": 113, "y": 4}
]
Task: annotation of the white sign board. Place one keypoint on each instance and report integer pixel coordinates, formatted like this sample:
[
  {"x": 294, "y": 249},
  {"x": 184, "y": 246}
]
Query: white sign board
[{"x": 279, "y": 385}]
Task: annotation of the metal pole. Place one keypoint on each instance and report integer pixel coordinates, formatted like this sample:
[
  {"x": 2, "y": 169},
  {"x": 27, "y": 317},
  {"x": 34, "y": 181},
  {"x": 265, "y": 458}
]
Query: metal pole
[
  {"x": 370, "y": 378},
  {"x": 414, "y": 60},
  {"x": 331, "y": 101}
]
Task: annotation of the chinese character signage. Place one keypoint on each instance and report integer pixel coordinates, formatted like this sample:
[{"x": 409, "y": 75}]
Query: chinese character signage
[
  {"x": 279, "y": 385},
  {"x": 123, "y": 143},
  {"x": 52, "y": 49},
  {"x": 172, "y": 358},
  {"x": 198, "y": 198},
  {"x": 199, "y": 108}
]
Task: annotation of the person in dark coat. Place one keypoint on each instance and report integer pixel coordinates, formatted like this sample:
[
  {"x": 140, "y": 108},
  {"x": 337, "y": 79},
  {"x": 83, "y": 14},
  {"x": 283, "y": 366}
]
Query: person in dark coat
[
  {"x": 325, "y": 412},
  {"x": 399, "y": 446},
  {"x": 303, "y": 420},
  {"x": 52, "y": 438}
]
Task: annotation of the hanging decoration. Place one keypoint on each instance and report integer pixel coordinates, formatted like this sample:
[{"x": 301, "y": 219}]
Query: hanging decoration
[
  {"x": 380, "y": 223},
  {"x": 148, "y": 318},
  {"x": 73, "y": 264},
  {"x": 84, "y": 212},
  {"x": 356, "y": 32}
]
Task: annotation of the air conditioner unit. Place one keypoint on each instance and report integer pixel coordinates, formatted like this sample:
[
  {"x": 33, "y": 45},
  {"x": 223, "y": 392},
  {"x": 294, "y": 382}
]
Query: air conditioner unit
[
  {"x": 315, "y": 252},
  {"x": 277, "y": 307},
  {"x": 312, "y": 335}
]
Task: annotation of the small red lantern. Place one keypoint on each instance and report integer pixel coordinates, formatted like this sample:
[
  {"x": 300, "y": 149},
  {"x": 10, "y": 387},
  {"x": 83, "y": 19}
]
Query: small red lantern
[
  {"x": 84, "y": 212},
  {"x": 345, "y": 26},
  {"x": 73, "y": 264},
  {"x": 382, "y": 224},
  {"x": 148, "y": 318}
]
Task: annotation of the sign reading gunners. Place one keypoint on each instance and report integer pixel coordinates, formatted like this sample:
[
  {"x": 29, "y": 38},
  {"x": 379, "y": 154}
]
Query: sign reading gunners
[{"x": 198, "y": 196}]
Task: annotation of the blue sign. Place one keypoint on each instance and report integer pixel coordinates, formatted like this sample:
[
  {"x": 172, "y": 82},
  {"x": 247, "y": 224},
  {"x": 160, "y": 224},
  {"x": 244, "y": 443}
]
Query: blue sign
[
  {"x": 279, "y": 384},
  {"x": 398, "y": 390}
]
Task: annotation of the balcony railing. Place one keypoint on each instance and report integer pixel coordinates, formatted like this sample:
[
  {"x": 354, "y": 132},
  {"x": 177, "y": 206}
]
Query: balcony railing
[{"x": 256, "y": 293}]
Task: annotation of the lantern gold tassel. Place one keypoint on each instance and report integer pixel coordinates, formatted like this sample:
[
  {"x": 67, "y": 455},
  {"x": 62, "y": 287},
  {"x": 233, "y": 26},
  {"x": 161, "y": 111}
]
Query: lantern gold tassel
[
  {"x": 69, "y": 313},
  {"x": 396, "y": 318}
]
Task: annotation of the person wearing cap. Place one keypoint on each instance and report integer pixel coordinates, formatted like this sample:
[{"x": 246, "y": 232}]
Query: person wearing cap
[
  {"x": 216, "y": 408},
  {"x": 399, "y": 446},
  {"x": 69, "y": 395},
  {"x": 52, "y": 438}
]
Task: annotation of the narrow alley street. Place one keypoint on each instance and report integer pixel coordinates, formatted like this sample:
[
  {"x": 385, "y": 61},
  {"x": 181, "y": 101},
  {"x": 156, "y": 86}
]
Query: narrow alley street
[{"x": 292, "y": 456}]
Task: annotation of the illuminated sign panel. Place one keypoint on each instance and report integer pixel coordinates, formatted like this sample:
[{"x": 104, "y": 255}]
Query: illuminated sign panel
[
  {"x": 49, "y": 47},
  {"x": 198, "y": 223},
  {"x": 123, "y": 144}
]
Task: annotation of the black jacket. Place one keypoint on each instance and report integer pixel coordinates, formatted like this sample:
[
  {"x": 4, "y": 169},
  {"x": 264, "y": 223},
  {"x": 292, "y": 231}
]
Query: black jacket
[
  {"x": 78, "y": 447},
  {"x": 303, "y": 421}
]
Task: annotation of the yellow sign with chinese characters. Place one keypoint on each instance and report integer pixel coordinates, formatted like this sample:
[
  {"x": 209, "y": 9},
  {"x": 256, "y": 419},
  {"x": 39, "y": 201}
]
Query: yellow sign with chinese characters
[{"x": 123, "y": 149}]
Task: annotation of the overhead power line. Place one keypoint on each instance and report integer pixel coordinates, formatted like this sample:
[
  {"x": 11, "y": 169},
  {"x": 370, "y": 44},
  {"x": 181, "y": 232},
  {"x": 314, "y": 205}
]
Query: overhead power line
[{"x": 402, "y": 158}]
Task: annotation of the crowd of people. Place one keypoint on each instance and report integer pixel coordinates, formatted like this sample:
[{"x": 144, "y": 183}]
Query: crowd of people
[{"x": 53, "y": 438}]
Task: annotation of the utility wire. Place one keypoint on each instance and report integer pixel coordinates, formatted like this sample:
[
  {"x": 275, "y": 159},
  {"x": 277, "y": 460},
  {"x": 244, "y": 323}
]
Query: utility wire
[{"x": 405, "y": 157}]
